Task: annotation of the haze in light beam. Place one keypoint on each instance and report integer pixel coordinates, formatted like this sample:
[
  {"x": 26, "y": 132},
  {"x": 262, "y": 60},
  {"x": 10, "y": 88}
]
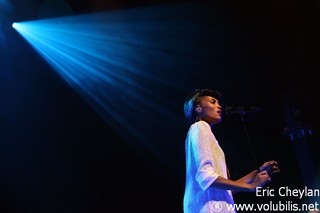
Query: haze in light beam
[
  {"x": 121, "y": 63},
  {"x": 128, "y": 64}
]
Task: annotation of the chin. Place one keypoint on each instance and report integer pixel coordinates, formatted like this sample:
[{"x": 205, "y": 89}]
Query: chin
[{"x": 216, "y": 121}]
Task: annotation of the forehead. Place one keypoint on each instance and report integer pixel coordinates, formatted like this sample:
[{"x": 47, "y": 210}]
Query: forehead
[{"x": 209, "y": 98}]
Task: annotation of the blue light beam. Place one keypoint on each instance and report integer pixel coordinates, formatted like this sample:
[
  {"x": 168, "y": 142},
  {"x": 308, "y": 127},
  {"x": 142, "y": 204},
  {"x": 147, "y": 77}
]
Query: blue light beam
[{"x": 128, "y": 65}]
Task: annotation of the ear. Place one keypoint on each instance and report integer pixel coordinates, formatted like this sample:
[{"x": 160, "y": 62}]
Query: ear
[{"x": 198, "y": 108}]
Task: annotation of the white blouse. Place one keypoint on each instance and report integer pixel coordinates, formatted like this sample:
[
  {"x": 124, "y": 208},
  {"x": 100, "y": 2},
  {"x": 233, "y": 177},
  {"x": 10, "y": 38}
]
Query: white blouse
[{"x": 205, "y": 161}]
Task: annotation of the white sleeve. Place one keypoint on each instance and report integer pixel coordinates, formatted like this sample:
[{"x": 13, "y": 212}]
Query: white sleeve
[{"x": 201, "y": 137}]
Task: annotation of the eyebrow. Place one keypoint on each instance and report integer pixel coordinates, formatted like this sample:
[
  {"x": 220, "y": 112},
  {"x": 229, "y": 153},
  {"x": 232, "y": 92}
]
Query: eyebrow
[{"x": 212, "y": 98}]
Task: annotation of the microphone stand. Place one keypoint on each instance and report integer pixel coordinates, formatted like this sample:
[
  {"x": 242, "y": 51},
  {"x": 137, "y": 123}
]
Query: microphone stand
[
  {"x": 242, "y": 111},
  {"x": 248, "y": 138},
  {"x": 243, "y": 121}
]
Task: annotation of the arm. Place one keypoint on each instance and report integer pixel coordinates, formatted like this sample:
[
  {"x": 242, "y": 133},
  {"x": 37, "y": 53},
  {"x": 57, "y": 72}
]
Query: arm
[
  {"x": 200, "y": 140},
  {"x": 206, "y": 175},
  {"x": 249, "y": 177},
  {"x": 271, "y": 167},
  {"x": 259, "y": 180}
]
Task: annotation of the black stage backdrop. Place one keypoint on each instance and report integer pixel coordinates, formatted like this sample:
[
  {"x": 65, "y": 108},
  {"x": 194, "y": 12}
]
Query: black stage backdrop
[{"x": 58, "y": 155}]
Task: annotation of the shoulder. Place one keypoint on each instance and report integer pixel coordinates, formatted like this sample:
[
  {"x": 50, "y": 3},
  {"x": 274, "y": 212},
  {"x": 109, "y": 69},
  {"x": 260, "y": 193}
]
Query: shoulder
[
  {"x": 200, "y": 125},
  {"x": 200, "y": 133}
]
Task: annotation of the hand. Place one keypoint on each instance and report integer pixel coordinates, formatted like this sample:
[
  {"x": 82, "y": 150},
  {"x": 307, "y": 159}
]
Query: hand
[
  {"x": 270, "y": 166},
  {"x": 260, "y": 180}
]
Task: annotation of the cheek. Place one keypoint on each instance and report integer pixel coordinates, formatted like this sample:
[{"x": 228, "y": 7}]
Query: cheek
[{"x": 209, "y": 111}]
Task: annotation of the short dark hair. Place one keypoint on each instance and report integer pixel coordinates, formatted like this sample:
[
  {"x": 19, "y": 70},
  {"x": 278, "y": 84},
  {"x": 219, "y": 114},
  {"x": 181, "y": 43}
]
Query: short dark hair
[{"x": 193, "y": 99}]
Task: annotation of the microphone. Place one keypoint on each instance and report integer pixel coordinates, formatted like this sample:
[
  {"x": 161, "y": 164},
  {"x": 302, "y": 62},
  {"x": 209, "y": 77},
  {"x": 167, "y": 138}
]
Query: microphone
[{"x": 240, "y": 110}]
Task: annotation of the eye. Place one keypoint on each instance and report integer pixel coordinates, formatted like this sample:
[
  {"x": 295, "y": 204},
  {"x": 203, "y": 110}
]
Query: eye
[{"x": 213, "y": 101}]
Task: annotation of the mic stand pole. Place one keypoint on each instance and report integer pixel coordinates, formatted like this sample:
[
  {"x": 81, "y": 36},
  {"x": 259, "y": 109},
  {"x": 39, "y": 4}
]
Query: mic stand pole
[
  {"x": 242, "y": 115},
  {"x": 248, "y": 138}
]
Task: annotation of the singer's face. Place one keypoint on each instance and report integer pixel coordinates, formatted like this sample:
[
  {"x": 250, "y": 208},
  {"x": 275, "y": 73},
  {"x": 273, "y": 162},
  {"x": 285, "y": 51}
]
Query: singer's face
[{"x": 209, "y": 110}]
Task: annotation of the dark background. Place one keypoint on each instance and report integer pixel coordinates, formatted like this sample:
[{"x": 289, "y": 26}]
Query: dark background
[{"x": 58, "y": 155}]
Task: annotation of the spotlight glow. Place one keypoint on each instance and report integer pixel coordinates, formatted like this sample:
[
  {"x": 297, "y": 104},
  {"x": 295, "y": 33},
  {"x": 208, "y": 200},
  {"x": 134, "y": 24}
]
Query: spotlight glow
[{"x": 121, "y": 63}]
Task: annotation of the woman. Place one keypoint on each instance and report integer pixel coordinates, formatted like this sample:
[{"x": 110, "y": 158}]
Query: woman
[{"x": 208, "y": 187}]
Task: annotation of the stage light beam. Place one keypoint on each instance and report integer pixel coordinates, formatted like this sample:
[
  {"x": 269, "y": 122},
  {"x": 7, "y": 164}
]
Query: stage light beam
[
  {"x": 104, "y": 62},
  {"x": 121, "y": 63}
]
